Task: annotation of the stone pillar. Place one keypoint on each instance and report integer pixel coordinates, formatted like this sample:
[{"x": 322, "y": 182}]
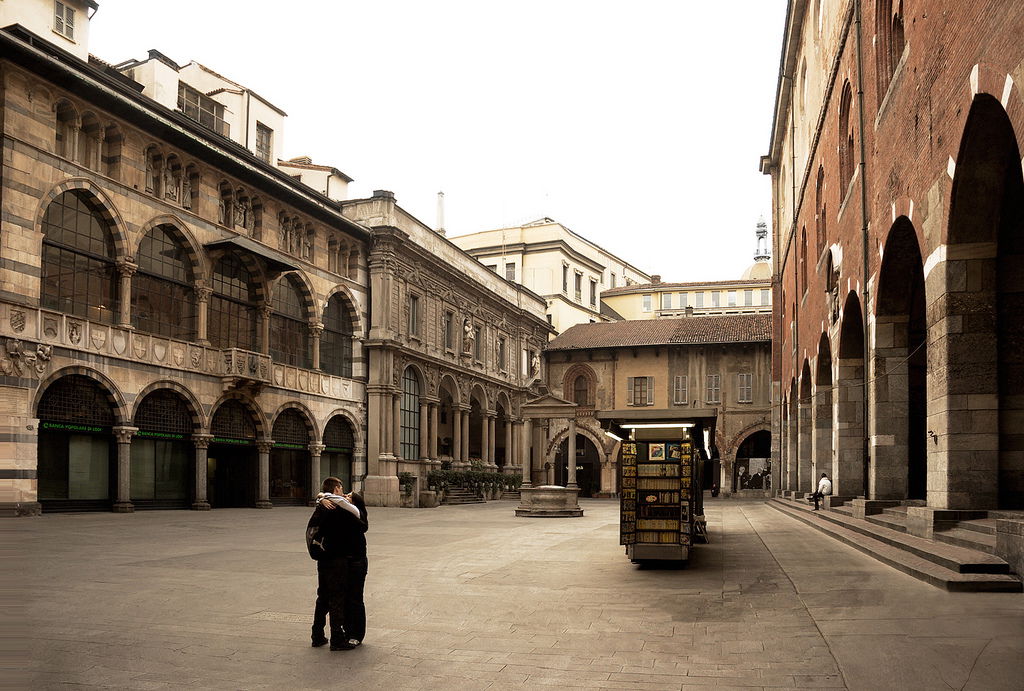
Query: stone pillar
[
  {"x": 465, "y": 435},
  {"x": 375, "y": 442},
  {"x": 485, "y": 437},
  {"x": 202, "y": 444},
  {"x": 456, "y": 434},
  {"x": 315, "y": 451},
  {"x": 792, "y": 462},
  {"x": 316, "y": 330},
  {"x": 424, "y": 429},
  {"x": 509, "y": 454},
  {"x": 570, "y": 452},
  {"x": 433, "y": 431},
  {"x": 396, "y": 426},
  {"x": 821, "y": 429},
  {"x": 538, "y": 449},
  {"x": 124, "y": 434},
  {"x": 203, "y": 315},
  {"x": 125, "y": 271},
  {"x": 265, "y": 311},
  {"x": 848, "y": 402},
  {"x": 524, "y": 450},
  {"x": 263, "y": 474}
]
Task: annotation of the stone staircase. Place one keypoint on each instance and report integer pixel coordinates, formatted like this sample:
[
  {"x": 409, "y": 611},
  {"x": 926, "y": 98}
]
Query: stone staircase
[
  {"x": 461, "y": 495},
  {"x": 959, "y": 558},
  {"x": 510, "y": 496}
]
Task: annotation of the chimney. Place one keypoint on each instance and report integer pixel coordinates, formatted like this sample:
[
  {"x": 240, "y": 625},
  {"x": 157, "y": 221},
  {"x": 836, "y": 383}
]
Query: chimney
[
  {"x": 689, "y": 311},
  {"x": 655, "y": 279},
  {"x": 440, "y": 213},
  {"x": 383, "y": 194}
]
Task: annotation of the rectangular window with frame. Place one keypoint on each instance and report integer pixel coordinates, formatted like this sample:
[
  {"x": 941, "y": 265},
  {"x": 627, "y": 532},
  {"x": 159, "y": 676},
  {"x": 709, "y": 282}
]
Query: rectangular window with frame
[
  {"x": 502, "y": 363},
  {"x": 264, "y": 142},
  {"x": 593, "y": 293},
  {"x": 640, "y": 391},
  {"x": 414, "y": 315},
  {"x": 680, "y": 392},
  {"x": 748, "y": 298},
  {"x": 646, "y": 304},
  {"x": 765, "y": 297},
  {"x": 577, "y": 286},
  {"x": 493, "y": 267},
  {"x": 448, "y": 327},
  {"x": 613, "y": 280},
  {"x": 714, "y": 392},
  {"x": 510, "y": 272},
  {"x": 666, "y": 301},
  {"x": 202, "y": 109},
  {"x": 732, "y": 298},
  {"x": 745, "y": 392},
  {"x": 63, "y": 20},
  {"x": 565, "y": 279},
  {"x": 699, "y": 300},
  {"x": 716, "y": 298},
  {"x": 478, "y": 343},
  {"x": 682, "y": 301}
]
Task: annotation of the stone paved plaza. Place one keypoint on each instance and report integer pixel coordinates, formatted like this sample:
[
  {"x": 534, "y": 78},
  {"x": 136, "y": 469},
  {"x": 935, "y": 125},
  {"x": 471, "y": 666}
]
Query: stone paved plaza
[{"x": 471, "y": 597}]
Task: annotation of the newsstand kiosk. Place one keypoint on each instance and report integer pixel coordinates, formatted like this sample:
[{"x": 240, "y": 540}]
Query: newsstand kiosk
[{"x": 662, "y": 500}]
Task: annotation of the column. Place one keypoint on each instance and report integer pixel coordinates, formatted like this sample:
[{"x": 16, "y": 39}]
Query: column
[
  {"x": 126, "y": 270},
  {"x": 510, "y": 455},
  {"x": 433, "y": 431},
  {"x": 396, "y": 425},
  {"x": 265, "y": 312},
  {"x": 485, "y": 437},
  {"x": 492, "y": 433},
  {"x": 524, "y": 451},
  {"x": 123, "y": 435},
  {"x": 456, "y": 434},
  {"x": 202, "y": 444},
  {"x": 315, "y": 451},
  {"x": 424, "y": 430},
  {"x": 202, "y": 314},
  {"x": 465, "y": 435},
  {"x": 570, "y": 482},
  {"x": 538, "y": 450},
  {"x": 263, "y": 474},
  {"x": 316, "y": 330}
]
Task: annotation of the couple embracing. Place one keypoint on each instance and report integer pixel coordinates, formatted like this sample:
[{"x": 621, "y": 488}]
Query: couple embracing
[{"x": 336, "y": 539}]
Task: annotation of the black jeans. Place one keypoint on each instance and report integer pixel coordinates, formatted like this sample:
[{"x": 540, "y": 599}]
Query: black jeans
[
  {"x": 355, "y": 610},
  {"x": 817, "y": 496},
  {"x": 330, "y": 597}
]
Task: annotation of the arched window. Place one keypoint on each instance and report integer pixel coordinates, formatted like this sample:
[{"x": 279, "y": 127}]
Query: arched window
[
  {"x": 79, "y": 276},
  {"x": 232, "y": 308},
  {"x": 336, "y": 341},
  {"x": 89, "y": 138},
  {"x": 232, "y": 421},
  {"x": 289, "y": 326},
  {"x": 889, "y": 43},
  {"x": 410, "y": 411},
  {"x": 581, "y": 390},
  {"x": 819, "y": 210},
  {"x": 163, "y": 301},
  {"x": 161, "y": 451},
  {"x": 845, "y": 139},
  {"x": 803, "y": 259},
  {"x": 66, "y": 144}
]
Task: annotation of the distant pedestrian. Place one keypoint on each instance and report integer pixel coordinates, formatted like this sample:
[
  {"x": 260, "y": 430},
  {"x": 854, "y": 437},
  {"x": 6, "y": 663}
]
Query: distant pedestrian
[
  {"x": 338, "y": 533},
  {"x": 824, "y": 490}
]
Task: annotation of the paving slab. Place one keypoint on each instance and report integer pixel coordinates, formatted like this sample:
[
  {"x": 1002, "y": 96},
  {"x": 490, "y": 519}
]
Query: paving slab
[{"x": 471, "y": 597}]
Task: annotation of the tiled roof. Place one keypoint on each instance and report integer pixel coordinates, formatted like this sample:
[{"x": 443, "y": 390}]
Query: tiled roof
[
  {"x": 709, "y": 285},
  {"x": 733, "y": 328}
]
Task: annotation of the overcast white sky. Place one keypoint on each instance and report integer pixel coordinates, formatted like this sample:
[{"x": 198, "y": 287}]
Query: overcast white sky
[{"x": 636, "y": 124}]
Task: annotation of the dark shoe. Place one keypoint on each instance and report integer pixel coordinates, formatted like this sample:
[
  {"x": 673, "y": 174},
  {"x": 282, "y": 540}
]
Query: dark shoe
[
  {"x": 344, "y": 645},
  {"x": 319, "y": 641}
]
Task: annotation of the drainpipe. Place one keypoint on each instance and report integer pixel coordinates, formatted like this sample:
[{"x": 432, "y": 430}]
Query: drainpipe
[
  {"x": 794, "y": 252},
  {"x": 864, "y": 235}
]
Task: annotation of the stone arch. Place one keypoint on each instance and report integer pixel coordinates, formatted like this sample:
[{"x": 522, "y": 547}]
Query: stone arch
[
  {"x": 569, "y": 382},
  {"x": 305, "y": 412},
  {"x": 805, "y": 477},
  {"x": 552, "y": 446},
  {"x": 733, "y": 469},
  {"x": 478, "y": 391},
  {"x": 349, "y": 303},
  {"x": 113, "y": 394},
  {"x": 358, "y": 436},
  {"x": 195, "y": 408},
  {"x": 104, "y": 205},
  {"x": 447, "y": 381},
  {"x": 822, "y": 411},
  {"x": 849, "y": 479},
  {"x": 309, "y": 301},
  {"x": 732, "y": 446},
  {"x": 200, "y": 264},
  {"x": 256, "y": 413}
]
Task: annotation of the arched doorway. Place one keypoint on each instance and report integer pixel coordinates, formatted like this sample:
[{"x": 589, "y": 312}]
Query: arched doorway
[
  {"x": 899, "y": 364},
  {"x": 753, "y": 467},
  {"x": 822, "y": 442},
  {"x": 290, "y": 459},
  {"x": 987, "y": 211},
  {"x": 447, "y": 413},
  {"x": 588, "y": 465},
  {"x": 805, "y": 480},
  {"x": 76, "y": 454},
  {"x": 503, "y": 435},
  {"x": 339, "y": 445},
  {"x": 477, "y": 420},
  {"x": 850, "y": 477},
  {"x": 232, "y": 460},
  {"x": 162, "y": 452}
]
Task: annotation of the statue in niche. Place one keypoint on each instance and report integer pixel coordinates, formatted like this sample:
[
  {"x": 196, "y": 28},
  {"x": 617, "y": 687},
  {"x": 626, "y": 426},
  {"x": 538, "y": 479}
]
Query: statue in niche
[
  {"x": 239, "y": 215},
  {"x": 170, "y": 184},
  {"x": 222, "y": 211},
  {"x": 186, "y": 192},
  {"x": 150, "y": 175},
  {"x": 245, "y": 211},
  {"x": 535, "y": 365},
  {"x": 286, "y": 233},
  {"x": 467, "y": 336}
]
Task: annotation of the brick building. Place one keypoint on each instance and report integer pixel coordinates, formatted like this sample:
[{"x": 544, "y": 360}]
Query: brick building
[
  {"x": 710, "y": 371},
  {"x": 895, "y": 159}
]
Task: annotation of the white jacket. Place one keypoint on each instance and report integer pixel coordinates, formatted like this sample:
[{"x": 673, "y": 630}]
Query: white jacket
[{"x": 824, "y": 486}]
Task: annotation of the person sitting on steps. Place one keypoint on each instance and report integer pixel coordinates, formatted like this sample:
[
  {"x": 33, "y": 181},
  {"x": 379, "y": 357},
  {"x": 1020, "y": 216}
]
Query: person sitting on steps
[{"x": 824, "y": 489}]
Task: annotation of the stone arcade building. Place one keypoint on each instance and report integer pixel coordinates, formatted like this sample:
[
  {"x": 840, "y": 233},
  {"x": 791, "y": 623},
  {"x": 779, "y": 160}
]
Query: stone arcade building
[
  {"x": 180, "y": 321},
  {"x": 896, "y": 169}
]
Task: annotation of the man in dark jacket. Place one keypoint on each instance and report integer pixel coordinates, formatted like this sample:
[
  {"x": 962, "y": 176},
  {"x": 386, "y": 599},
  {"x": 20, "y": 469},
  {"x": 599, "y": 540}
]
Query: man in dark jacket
[{"x": 341, "y": 523}]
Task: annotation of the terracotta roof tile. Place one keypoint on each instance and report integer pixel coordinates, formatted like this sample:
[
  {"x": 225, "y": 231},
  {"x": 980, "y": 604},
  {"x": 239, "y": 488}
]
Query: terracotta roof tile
[
  {"x": 658, "y": 287},
  {"x": 733, "y": 328}
]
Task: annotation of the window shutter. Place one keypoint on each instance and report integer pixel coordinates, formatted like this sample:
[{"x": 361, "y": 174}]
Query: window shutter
[
  {"x": 686, "y": 388},
  {"x": 629, "y": 391},
  {"x": 650, "y": 390}
]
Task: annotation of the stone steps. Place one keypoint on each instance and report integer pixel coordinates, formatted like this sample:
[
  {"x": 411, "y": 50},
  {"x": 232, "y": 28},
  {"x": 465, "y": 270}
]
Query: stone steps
[
  {"x": 510, "y": 496},
  {"x": 461, "y": 495},
  {"x": 971, "y": 539},
  {"x": 943, "y": 565}
]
